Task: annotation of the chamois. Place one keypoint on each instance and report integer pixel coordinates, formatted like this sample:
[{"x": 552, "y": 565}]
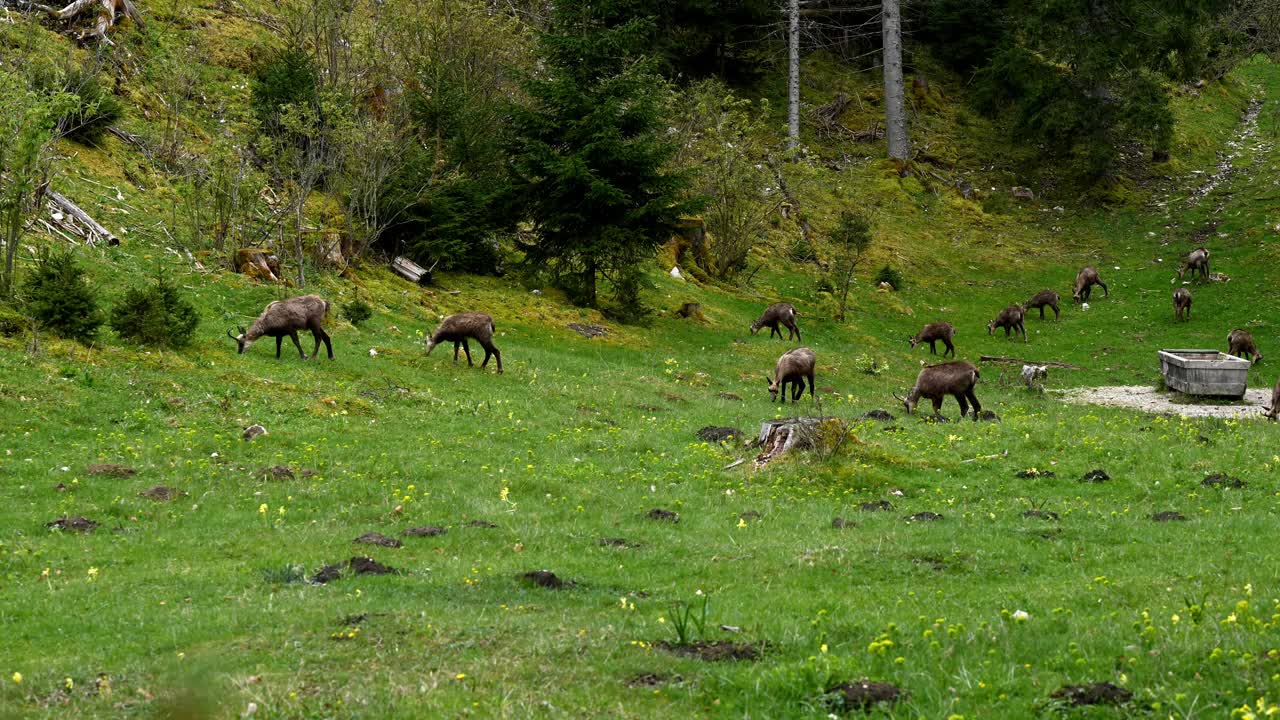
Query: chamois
[
  {"x": 792, "y": 368},
  {"x": 285, "y": 318},
  {"x": 1009, "y": 318},
  {"x": 778, "y": 313},
  {"x": 1197, "y": 262},
  {"x": 956, "y": 378},
  {"x": 1043, "y": 299},
  {"x": 459, "y": 328},
  {"x": 932, "y": 333},
  {"x": 1240, "y": 343},
  {"x": 1181, "y": 304},
  {"x": 1274, "y": 410},
  {"x": 1085, "y": 281}
]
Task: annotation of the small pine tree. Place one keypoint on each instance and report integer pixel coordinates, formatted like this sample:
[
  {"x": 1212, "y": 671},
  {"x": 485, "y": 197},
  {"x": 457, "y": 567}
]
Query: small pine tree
[
  {"x": 58, "y": 297},
  {"x": 357, "y": 311},
  {"x": 852, "y": 238},
  {"x": 155, "y": 314}
]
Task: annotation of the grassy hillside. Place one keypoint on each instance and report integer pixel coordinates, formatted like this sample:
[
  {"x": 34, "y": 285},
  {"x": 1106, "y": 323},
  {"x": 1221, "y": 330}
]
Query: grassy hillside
[{"x": 197, "y": 607}]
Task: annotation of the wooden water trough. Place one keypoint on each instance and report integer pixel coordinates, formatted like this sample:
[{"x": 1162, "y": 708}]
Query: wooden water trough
[{"x": 1205, "y": 372}]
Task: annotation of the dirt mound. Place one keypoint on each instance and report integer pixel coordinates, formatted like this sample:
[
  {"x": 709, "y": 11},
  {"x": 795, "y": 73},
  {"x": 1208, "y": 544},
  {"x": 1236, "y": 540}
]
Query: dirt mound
[
  {"x": 713, "y": 650},
  {"x": 74, "y": 523},
  {"x": 881, "y": 415},
  {"x": 925, "y": 516},
  {"x": 423, "y": 531},
  {"x": 892, "y": 429},
  {"x": 749, "y": 515},
  {"x": 936, "y": 564},
  {"x": 479, "y": 524},
  {"x": 162, "y": 493},
  {"x": 840, "y": 523},
  {"x": 376, "y": 538},
  {"x": 877, "y": 506},
  {"x": 1169, "y": 516},
  {"x": 1096, "y": 476},
  {"x": 588, "y": 331},
  {"x": 714, "y": 434},
  {"x": 276, "y": 472},
  {"x": 546, "y": 579},
  {"x": 1103, "y": 693},
  {"x": 730, "y": 396},
  {"x": 1042, "y": 514},
  {"x": 354, "y": 566},
  {"x": 110, "y": 470},
  {"x": 617, "y": 543},
  {"x": 651, "y": 680},
  {"x": 988, "y": 416},
  {"x": 661, "y": 515},
  {"x": 1223, "y": 480},
  {"x": 864, "y": 694},
  {"x": 1032, "y": 473}
]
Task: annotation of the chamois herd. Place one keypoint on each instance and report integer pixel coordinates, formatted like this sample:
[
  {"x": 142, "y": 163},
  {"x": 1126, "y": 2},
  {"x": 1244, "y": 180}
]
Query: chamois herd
[{"x": 796, "y": 367}]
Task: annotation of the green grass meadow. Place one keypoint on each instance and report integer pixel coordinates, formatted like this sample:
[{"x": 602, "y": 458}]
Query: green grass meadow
[{"x": 197, "y": 607}]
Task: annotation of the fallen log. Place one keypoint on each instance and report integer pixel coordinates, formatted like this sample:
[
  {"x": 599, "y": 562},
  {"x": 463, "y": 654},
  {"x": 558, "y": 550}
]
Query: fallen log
[
  {"x": 411, "y": 271},
  {"x": 1020, "y": 361},
  {"x": 93, "y": 230},
  {"x": 107, "y": 10}
]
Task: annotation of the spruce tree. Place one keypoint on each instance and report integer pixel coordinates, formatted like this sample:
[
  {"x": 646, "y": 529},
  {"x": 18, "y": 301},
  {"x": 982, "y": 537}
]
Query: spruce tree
[{"x": 589, "y": 158}]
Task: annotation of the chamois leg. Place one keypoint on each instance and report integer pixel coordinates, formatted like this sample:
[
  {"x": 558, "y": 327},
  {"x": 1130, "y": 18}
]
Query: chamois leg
[
  {"x": 773, "y": 329},
  {"x": 279, "y": 339},
  {"x": 964, "y": 405},
  {"x": 933, "y": 349},
  {"x": 797, "y": 329},
  {"x": 937, "y": 405},
  {"x": 1105, "y": 292},
  {"x": 811, "y": 386},
  {"x": 321, "y": 336},
  {"x": 1056, "y": 314},
  {"x": 328, "y": 344},
  {"x": 491, "y": 349},
  {"x": 950, "y": 349},
  {"x": 1023, "y": 328},
  {"x": 293, "y": 335},
  {"x": 466, "y": 348},
  {"x": 456, "y": 346},
  {"x": 797, "y": 389},
  {"x": 977, "y": 406}
]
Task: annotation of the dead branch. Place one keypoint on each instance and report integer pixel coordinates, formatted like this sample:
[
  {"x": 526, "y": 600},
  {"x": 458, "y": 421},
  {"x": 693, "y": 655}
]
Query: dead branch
[
  {"x": 107, "y": 13},
  {"x": 84, "y": 227}
]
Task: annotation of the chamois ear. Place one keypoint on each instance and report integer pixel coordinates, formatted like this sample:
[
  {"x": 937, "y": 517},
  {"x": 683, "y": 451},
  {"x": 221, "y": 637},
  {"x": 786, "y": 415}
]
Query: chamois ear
[
  {"x": 242, "y": 330},
  {"x": 768, "y": 380}
]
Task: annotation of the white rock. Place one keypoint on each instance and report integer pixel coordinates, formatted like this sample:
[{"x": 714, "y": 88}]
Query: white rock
[
  {"x": 675, "y": 273},
  {"x": 373, "y": 353}
]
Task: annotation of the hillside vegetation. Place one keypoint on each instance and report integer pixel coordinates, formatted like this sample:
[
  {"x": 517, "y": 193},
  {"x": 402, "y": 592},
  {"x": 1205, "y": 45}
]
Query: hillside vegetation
[{"x": 198, "y": 601}]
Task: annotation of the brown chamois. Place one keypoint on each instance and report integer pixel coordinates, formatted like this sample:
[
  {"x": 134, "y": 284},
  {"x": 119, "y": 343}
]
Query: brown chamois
[
  {"x": 1240, "y": 343},
  {"x": 1085, "y": 281},
  {"x": 1181, "y": 304},
  {"x": 1274, "y": 410},
  {"x": 1044, "y": 299},
  {"x": 1010, "y": 319},
  {"x": 932, "y": 333},
  {"x": 284, "y": 318},
  {"x": 459, "y": 328},
  {"x": 792, "y": 368},
  {"x": 778, "y": 313},
  {"x": 956, "y": 378},
  {"x": 1197, "y": 262}
]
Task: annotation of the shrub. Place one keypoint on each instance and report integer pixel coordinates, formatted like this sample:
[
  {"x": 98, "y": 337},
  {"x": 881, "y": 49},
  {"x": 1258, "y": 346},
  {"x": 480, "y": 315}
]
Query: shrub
[
  {"x": 97, "y": 110},
  {"x": 58, "y": 297},
  {"x": 357, "y": 311},
  {"x": 155, "y": 314},
  {"x": 887, "y": 274},
  {"x": 284, "y": 77},
  {"x": 11, "y": 321}
]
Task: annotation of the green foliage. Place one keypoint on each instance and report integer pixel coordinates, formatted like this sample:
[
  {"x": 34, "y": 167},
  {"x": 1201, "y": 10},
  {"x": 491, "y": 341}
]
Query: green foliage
[
  {"x": 888, "y": 274},
  {"x": 689, "y": 624},
  {"x": 156, "y": 314},
  {"x": 58, "y": 296},
  {"x": 285, "y": 77},
  {"x": 96, "y": 109},
  {"x": 588, "y": 157},
  {"x": 357, "y": 311},
  {"x": 851, "y": 238}
]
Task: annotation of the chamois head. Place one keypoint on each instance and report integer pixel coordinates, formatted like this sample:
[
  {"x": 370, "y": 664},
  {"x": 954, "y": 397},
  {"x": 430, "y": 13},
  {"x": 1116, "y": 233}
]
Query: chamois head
[{"x": 240, "y": 341}]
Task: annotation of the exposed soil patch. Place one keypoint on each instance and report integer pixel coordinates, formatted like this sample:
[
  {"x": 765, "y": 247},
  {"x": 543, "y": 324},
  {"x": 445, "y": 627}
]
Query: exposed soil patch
[
  {"x": 618, "y": 543},
  {"x": 276, "y": 472},
  {"x": 988, "y": 416},
  {"x": 425, "y": 531},
  {"x": 711, "y": 433},
  {"x": 62, "y": 487},
  {"x": 661, "y": 515},
  {"x": 376, "y": 538},
  {"x": 588, "y": 331},
  {"x": 161, "y": 493},
  {"x": 651, "y": 680},
  {"x": 925, "y": 516},
  {"x": 892, "y": 429},
  {"x": 749, "y": 515},
  {"x": 354, "y": 566},
  {"x": 546, "y": 579},
  {"x": 840, "y": 523},
  {"x": 713, "y": 650},
  {"x": 353, "y": 620},
  {"x": 1042, "y": 514},
  {"x": 881, "y": 415},
  {"x": 730, "y": 396},
  {"x": 1169, "y": 516},
  {"x": 1096, "y": 476},
  {"x": 479, "y": 524},
  {"x": 73, "y": 523},
  {"x": 651, "y": 408},
  {"x": 877, "y": 506},
  {"x": 673, "y": 398},
  {"x": 1034, "y": 473},
  {"x": 933, "y": 563},
  {"x": 863, "y": 694},
  {"x": 1223, "y": 480},
  {"x": 111, "y": 470},
  {"x": 1103, "y": 693},
  {"x": 308, "y": 473},
  {"x": 1145, "y": 398}
]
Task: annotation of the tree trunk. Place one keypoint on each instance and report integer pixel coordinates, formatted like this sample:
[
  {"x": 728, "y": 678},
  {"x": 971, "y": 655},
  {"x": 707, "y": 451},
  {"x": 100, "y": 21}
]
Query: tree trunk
[
  {"x": 793, "y": 81},
  {"x": 589, "y": 284},
  {"x": 297, "y": 246},
  {"x": 895, "y": 110}
]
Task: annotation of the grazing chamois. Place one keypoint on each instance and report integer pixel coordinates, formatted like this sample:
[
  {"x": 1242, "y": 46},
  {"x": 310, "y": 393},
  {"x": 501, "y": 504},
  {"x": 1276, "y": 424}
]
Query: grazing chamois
[
  {"x": 1043, "y": 299},
  {"x": 778, "y": 313},
  {"x": 1197, "y": 262},
  {"x": 1010, "y": 319},
  {"x": 284, "y": 318},
  {"x": 1181, "y": 304},
  {"x": 1274, "y": 410},
  {"x": 792, "y": 368},
  {"x": 1085, "y": 281},
  {"x": 461, "y": 327},
  {"x": 956, "y": 378},
  {"x": 932, "y": 333},
  {"x": 1240, "y": 343}
]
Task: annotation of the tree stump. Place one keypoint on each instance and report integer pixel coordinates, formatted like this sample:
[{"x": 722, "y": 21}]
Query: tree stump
[
  {"x": 777, "y": 437},
  {"x": 691, "y": 311},
  {"x": 258, "y": 264}
]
